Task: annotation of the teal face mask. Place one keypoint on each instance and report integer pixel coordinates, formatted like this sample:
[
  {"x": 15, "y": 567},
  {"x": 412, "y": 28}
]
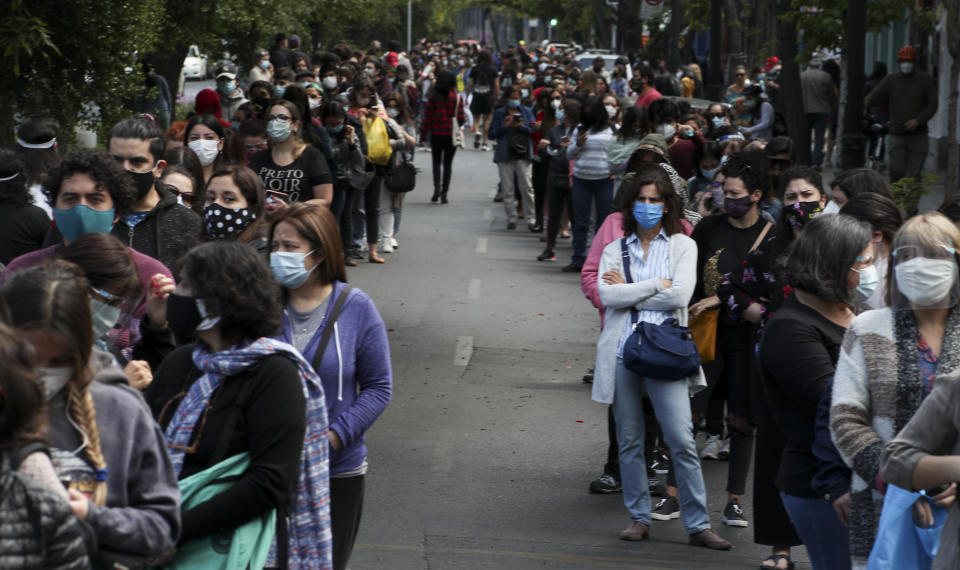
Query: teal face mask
[
  {"x": 81, "y": 220},
  {"x": 104, "y": 317}
]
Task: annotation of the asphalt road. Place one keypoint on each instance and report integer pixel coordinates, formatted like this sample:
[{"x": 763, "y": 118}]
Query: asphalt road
[{"x": 483, "y": 458}]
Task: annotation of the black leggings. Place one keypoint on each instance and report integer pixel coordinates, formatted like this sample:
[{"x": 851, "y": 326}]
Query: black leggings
[
  {"x": 346, "y": 507},
  {"x": 442, "y": 150},
  {"x": 541, "y": 171},
  {"x": 557, "y": 198},
  {"x": 371, "y": 207}
]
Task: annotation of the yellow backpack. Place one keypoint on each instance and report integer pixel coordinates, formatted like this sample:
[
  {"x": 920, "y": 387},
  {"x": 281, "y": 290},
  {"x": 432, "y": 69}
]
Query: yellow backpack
[{"x": 378, "y": 141}]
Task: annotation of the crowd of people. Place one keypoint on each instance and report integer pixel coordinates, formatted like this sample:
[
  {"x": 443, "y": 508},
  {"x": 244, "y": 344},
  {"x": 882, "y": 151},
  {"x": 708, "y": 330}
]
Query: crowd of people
[{"x": 184, "y": 363}]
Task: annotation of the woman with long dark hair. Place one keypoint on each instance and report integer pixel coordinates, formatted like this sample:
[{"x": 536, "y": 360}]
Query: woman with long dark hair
[
  {"x": 444, "y": 104},
  {"x": 206, "y": 137},
  {"x": 23, "y": 225},
  {"x": 37, "y": 142}
]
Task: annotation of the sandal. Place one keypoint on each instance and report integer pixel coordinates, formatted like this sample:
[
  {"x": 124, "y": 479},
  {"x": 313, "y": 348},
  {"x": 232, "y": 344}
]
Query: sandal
[
  {"x": 377, "y": 259},
  {"x": 349, "y": 262},
  {"x": 776, "y": 558}
]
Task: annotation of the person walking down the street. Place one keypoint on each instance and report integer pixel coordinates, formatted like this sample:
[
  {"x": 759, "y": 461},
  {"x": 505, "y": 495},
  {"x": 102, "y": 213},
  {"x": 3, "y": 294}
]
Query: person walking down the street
[
  {"x": 40, "y": 529},
  {"x": 484, "y": 91},
  {"x": 723, "y": 242},
  {"x": 23, "y": 225},
  {"x": 819, "y": 94},
  {"x": 510, "y": 127},
  {"x": 735, "y": 97},
  {"x": 911, "y": 97},
  {"x": 655, "y": 286},
  {"x": 889, "y": 360},
  {"x": 106, "y": 448},
  {"x": 338, "y": 329},
  {"x": 831, "y": 270},
  {"x": 592, "y": 184},
  {"x": 443, "y": 107}
]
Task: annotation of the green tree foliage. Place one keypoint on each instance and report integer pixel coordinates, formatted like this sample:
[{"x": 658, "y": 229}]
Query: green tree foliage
[{"x": 76, "y": 63}]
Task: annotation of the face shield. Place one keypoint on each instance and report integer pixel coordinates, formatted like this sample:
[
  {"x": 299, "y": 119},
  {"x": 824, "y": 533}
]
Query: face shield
[{"x": 924, "y": 276}]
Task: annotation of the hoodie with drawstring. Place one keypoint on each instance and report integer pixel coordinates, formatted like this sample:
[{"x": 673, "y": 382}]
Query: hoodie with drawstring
[{"x": 355, "y": 371}]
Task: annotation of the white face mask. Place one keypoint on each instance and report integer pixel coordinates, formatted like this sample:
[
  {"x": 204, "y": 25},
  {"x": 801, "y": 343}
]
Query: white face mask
[
  {"x": 906, "y": 67},
  {"x": 329, "y": 82},
  {"x": 555, "y": 103},
  {"x": 206, "y": 150},
  {"x": 314, "y": 103},
  {"x": 52, "y": 380},
  {"x": 926, "y": 282},
  {"x": 611, "y": 111},
  {"x": 831, "y": 208},
  {"x": 667, "y": 130},
  {"x": 393, "y": 112}
]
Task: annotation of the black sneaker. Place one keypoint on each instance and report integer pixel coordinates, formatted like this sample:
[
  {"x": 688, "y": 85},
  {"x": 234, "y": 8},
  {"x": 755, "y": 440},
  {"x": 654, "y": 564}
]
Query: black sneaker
[
  {"x": 511, "y": 226},
  {"x": 733, "y": 514},
  {"x": 476, "y": 141},
  {"x": 605, "y": 485},
  {"x": 661, "y": 461},
  {"x": 572, "y": 268},
  {"x": 588, "y": 377},
  {"x": 667, "y": 508},
  {"x": 547, "y": 255}
]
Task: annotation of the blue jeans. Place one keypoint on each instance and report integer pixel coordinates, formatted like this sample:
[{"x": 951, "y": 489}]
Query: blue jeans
[
  {"x": 600, "y": 192},
  {"x": 817, "y": 122},
  {"x": 671, "y": 403},
  {"x": 817, "y": 524}
]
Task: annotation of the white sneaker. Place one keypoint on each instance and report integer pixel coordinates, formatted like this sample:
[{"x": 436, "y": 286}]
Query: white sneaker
[
  {"x": 393, "y": 243},
  {"x": 712, "y": 448},
  {"x": 724, "y": 449},
  {"x": 386, "y": 247}
]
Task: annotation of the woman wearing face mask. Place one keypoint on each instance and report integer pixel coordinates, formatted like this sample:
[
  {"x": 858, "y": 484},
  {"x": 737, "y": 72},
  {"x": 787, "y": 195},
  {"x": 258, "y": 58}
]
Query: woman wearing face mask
[
  {"x": 709, "y": 160},
  {"x": 559, "y": 197},
  {"x": 511, "y": 127},
  {"x": 291, "y": 167},
  {"x": 761, "y": 114},
  {"x": 183, "y": 176},
  {"x": 353, "y": 363},
  {"x": 399, "y": 113},
  {"x": 752, "y": 299},
  {"x": 826, "y": 267},
  {"x": 682, "y": 141},
  {"x": 548, "y": 102},
  {"x": 885, "y": 218},
  {"x": 245, "y": 405},
  {"x": 612, "y": 106},
  {"x": 654, "y": 287},
  {"x": 262, "y": 70},
  {"x": 735, "y": 96},
  {"x": 106, "y": 448},
  {"x": 717, "y": 118},
  {"x": 723, "y": 242},
  {"x": 591, "y": 176},
  {"x": 205, "y": 136},
  {"x": 236, "y": 207},
  {"x": 443, "y": 107},
  {"x": 889, "y": 359},
  {"x": 634, "y": 128},
  {"x": 349, "y": 157}
]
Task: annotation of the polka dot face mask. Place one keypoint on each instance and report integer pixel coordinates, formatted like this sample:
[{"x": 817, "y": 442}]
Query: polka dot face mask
[{"x": 227, "y": 223}]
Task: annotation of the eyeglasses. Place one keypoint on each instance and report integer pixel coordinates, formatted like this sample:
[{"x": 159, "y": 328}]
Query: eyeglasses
[
  {"x": 908, "y": 252},
  {"x": 253, "y": 147},
  {"x": 285, "y": 118}
]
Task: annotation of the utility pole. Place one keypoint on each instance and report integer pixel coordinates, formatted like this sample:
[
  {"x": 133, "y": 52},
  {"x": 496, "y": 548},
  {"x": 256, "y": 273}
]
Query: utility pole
[
  {"x": 613, "y": 36},
  {"x": 853, "y": 141},
  {"x": 409, "y": 26}
]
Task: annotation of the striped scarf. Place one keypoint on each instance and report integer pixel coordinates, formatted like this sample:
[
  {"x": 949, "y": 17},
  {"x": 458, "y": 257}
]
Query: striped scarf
[{"x": 308, "y": 524}]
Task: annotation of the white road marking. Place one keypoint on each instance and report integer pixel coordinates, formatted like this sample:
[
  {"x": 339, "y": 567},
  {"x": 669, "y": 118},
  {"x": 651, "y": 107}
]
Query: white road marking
[
  {"x": 482, "y": 245},
  {"x": 464, "y": 350},
  {"x": 473, "y": 290}
]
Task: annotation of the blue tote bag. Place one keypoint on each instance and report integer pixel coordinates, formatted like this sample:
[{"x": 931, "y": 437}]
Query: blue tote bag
[{"x": 900, "y": 542}]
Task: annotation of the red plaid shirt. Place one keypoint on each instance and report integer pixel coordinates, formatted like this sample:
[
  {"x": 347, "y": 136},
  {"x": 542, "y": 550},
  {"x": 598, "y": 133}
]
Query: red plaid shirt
[{"x": 438, "y": 118}]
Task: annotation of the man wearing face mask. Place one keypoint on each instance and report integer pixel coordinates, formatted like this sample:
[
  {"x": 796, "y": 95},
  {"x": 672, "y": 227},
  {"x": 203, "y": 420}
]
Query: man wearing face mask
[
  {"x": 228, "y": 88},
  {"x": 598, "y": 68},
  {"x": 912, "y": 98},
  {"x": 158, "y": 226},
  {"x": 682, "y": 141}
]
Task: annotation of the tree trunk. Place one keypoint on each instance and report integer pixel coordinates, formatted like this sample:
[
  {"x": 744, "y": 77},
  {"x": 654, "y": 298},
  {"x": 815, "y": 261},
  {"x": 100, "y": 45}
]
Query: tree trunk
[
  {"x": 790, "y": 98},
  {"x": 169, "y": 63},
  {"x": 953, "y": 46},
  {"x": 601, "y": 23},
  {"x": 673, "y": 35}
]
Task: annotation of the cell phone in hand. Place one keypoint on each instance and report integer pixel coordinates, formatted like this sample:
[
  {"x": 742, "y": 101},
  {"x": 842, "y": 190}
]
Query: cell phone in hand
[{"x": 274, "y": 196}]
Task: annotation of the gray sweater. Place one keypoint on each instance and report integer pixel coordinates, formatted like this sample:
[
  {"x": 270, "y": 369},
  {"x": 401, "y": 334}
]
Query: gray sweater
[
  {"x": 911, "y": 96},
  {"x": 142, "y": 512}
]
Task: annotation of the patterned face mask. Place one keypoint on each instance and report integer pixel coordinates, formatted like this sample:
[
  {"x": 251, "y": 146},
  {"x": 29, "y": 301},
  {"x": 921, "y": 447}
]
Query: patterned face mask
[{"x": 227, "y": 223}]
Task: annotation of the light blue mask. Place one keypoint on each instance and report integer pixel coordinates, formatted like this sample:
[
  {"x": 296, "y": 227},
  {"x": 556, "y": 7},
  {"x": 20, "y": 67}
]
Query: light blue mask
[
  {"x": 647, "y": 215},
  {"x": 81, "y": 220},
  {"x": 869, "y": 279},
  {"x": 279, "y": 89},
  {"x": 227, "y": 87},
  {"x": 513, "y": 103},
  {"x": 289, "y": 269},
  {"x": 558, "y": 114},
  {"x": 104, "y": 316},
  {"x": 709, "y": 174}
]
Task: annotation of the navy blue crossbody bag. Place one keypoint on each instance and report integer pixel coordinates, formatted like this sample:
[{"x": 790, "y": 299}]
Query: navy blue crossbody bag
[{"x": 665, "y": 351}]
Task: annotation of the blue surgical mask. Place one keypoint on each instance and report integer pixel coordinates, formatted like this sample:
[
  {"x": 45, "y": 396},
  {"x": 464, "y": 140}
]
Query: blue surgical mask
[
  {"x": 867, "y": 286},
  {"x": 530, "y": 78},
  {"x": 558, "y": 114},
  {"x": 717, "y": 122},
  {"x": 289, "y": 268},
  {"x": 709, "y": 174},
  {"x": 227, "y": 87},
  {"x": 335, "y": 130},
  {"x": 279, "y": 130},
  {"x": 104, "y": 316},
  {"x": 81, "y": 220},
  {"x": 524, "y": 93},
  {"x": 647, "y": 215},
  {"x": 279, "y": 89},
  {"x": 513, "y": 103},
  {"x": 265, "y": 64}
]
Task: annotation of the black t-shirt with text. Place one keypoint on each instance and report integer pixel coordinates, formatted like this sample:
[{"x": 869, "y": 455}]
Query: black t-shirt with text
[{"x": 296, "y": 179}]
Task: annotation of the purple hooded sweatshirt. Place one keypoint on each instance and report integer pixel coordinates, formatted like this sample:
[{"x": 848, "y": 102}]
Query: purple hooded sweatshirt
[{"x": 355, "y": 372}]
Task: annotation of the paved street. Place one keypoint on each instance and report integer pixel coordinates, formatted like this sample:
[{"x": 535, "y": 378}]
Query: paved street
[{"x": 482, "y": 459}]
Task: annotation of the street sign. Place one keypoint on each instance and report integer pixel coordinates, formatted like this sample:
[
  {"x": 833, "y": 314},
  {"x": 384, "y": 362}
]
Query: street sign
[{"x": 650, "y": 8}]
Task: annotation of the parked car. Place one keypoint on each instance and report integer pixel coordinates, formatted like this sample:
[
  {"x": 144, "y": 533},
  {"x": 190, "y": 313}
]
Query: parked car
[{"x": 195, "y": 65}]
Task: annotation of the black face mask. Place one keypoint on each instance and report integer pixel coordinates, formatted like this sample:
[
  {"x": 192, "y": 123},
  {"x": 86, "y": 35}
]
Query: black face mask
[
  {"x": 143, "y": 182},
  {"x": 183, "y": 316}
]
